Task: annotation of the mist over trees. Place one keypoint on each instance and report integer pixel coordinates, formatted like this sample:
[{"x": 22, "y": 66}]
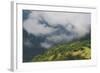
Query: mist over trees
[{"x": 47, "y": 36}]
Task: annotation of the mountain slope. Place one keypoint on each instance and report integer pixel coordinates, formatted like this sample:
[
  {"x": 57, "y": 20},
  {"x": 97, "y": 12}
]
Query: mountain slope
[{"x": 75, "y": 50}]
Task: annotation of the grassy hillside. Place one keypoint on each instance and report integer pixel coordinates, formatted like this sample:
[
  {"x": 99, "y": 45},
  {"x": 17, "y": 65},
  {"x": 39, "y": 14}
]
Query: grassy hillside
[{"x": 75, "y": 50}]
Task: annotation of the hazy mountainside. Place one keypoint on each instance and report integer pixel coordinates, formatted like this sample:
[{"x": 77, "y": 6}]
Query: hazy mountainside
[
  {"x": 31, "y": 47},
  {"x": 75, "y": 50},
  {"x": 50, "y": 35}
]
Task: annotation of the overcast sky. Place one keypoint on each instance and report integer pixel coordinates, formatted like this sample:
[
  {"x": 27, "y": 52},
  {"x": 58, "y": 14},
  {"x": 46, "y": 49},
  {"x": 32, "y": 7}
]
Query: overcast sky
[{"x": 57, "y": 26}]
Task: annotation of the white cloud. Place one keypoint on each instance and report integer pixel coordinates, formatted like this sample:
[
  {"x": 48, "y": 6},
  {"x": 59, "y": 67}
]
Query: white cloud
[
  {"x": 33, "y": 26},
  {"x": 59, "y": 38},
  {"x": 53, "y": 39},
  {"x": 28, "y": 43},
  {"x": 75, "y": 23},
  {"x": 81, "y": 21},
  {"x": 46, "y": 44}
]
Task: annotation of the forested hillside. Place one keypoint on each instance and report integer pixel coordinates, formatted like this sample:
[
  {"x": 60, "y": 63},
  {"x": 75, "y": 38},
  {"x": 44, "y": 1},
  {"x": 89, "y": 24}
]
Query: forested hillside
[{"x": 75, "y": 50}]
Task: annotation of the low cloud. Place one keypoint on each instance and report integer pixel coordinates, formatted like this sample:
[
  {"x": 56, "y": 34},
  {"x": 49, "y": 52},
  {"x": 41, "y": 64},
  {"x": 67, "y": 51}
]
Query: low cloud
[{"x": 57, "y": 26}]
